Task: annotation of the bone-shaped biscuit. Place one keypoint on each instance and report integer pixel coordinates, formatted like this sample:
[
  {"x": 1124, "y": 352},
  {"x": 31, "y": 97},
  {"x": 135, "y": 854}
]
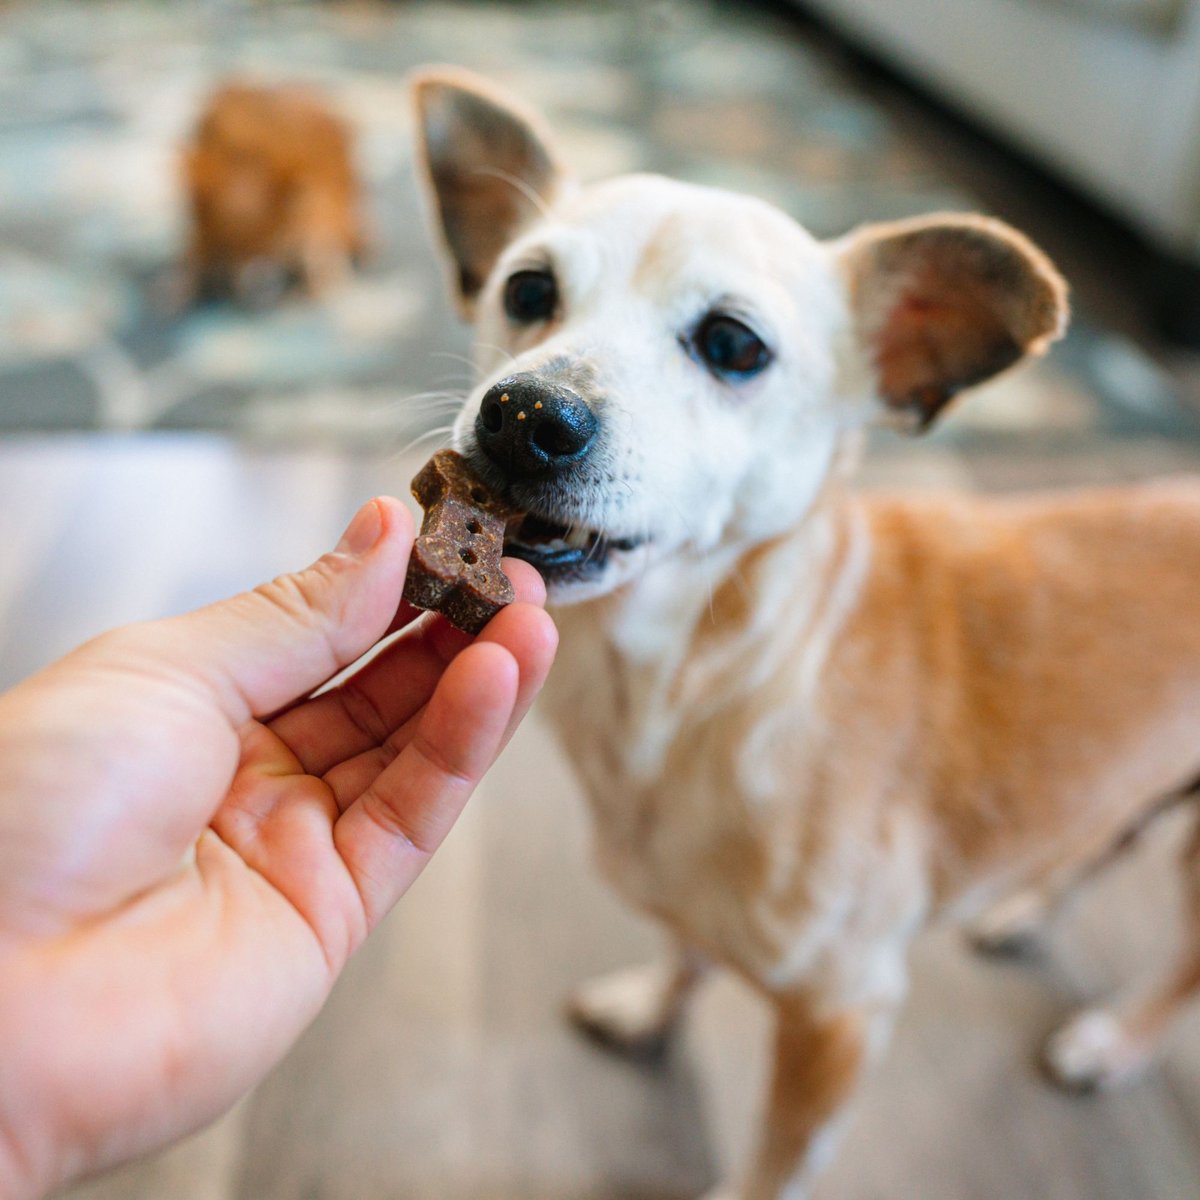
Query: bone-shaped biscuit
[{"x": 455, "y": 563}]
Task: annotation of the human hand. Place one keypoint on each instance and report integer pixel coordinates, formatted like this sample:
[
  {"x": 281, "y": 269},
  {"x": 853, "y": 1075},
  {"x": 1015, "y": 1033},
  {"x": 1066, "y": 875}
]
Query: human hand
[{"x": 187, "y": 863}]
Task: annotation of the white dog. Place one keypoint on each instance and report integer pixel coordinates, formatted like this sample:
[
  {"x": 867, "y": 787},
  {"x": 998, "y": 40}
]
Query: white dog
[{"x": 807, "y": 721}]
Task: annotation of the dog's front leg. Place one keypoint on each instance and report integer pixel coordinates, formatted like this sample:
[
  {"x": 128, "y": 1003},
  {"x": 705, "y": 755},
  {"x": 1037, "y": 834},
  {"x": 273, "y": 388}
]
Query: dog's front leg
[{"x": 820, "y": 1054}]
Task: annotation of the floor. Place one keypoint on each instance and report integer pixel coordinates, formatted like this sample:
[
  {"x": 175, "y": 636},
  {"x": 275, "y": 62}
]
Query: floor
[{"x": 441, "y": 1070}]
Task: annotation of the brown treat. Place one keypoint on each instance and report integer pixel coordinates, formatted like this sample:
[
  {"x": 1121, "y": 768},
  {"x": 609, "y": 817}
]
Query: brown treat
[{"x": 455, "y": 564}]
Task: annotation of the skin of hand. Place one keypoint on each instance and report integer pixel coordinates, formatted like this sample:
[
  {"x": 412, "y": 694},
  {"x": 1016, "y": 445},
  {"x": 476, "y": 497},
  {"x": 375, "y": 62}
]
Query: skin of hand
[{"x": 189, "y": 853}]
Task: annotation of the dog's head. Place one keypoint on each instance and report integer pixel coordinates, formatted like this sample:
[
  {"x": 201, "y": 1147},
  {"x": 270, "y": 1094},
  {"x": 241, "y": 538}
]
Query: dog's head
[{"x": 668, "y": 367}]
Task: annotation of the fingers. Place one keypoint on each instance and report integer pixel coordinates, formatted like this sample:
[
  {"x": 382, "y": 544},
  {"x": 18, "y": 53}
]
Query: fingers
[
  {"x": 386, "y": 836},
  {"x": 525, "y": 632},
  {"x": 363, "y": 712},
  {"x": 258, "y": 651}
]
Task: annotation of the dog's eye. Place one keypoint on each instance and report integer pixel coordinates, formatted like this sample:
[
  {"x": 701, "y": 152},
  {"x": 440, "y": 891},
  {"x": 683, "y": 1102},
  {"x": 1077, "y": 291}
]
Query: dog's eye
[
  {"x": 530, "y": 296},
  {"x": 730, "y": 348}
]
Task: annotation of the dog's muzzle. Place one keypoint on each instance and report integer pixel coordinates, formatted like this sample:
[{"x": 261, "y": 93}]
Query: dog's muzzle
[{"x": 532, "y": 430}]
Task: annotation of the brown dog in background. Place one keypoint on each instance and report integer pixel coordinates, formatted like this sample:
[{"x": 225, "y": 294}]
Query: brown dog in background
[{"x": 273, "y": 194}]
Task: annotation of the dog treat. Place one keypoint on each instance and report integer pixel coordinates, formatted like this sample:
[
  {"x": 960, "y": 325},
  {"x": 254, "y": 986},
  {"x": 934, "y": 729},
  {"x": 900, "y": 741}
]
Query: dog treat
[{"x": 455, "y": 564}]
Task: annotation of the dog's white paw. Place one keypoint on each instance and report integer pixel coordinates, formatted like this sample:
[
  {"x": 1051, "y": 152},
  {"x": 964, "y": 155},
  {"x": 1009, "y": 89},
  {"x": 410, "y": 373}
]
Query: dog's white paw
[
  {"x": 1093, "y": 1051},
  {"x": 629, "y": 1010},
  {"x": 1011, "y": 927}
]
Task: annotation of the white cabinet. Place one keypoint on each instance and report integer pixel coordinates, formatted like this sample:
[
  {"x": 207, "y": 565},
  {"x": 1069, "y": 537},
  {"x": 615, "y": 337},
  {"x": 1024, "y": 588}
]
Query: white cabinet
[{"x": 1106, "y": 93}]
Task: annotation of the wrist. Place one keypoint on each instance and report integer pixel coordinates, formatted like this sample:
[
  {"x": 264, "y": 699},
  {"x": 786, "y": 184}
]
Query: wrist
[{"x": 20, "y": 1176}]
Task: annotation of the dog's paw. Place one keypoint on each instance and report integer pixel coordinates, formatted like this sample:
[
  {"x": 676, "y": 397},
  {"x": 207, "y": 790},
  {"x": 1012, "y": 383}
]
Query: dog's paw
[
  {"x": 1011, "y": 928},
  {"x": 628, "y": 1011},
  {"x": 1092, "y": 1052}
]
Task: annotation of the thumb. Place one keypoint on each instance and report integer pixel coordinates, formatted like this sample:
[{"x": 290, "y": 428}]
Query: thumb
[{"x": 262, "y": 649}]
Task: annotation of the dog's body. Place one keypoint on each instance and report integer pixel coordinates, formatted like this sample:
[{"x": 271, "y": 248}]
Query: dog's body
[
  {"x": 824, "y": 716},
  {"x": 808, "y": 721}
]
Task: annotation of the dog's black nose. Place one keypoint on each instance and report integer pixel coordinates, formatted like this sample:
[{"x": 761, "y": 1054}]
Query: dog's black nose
[{"x": 532, "y": 429}]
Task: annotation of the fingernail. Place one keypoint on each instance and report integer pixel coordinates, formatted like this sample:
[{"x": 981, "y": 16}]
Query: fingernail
[{"x": 363, "y": 532}]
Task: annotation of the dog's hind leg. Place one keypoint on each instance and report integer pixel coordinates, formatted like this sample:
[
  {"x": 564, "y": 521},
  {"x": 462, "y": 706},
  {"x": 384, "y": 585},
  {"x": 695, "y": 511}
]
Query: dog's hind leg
[
  {"x": 1102, "y": 1047},
  {"x": 1012, "y": 926},
  {"x": 634, "y": 1010}
]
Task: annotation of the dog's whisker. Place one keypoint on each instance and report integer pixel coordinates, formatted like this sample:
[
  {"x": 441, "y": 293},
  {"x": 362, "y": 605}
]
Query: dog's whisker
[
  {"x": 462, "y": 358},
  {"x": 440, "y": 432},
  {"x": 440, "y": 395},
  {"x": 426, "y": 409},
  {"x": 498, "y": 349},
  {"x": 445, "y": 393},
  {"x": 591, "y": 551},
  {"x": 417, "y": 425},
  {"x": 428, "y": 404}
]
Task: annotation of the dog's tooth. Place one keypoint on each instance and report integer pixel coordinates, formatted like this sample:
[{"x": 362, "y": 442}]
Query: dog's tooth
[{"x": 578, "y": 539}]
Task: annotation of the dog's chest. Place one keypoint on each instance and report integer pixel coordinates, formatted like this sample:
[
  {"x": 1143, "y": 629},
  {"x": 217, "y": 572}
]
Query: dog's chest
[
  {"x": 671, "y": 765},
  {"x": 619, "y": 729},
  {"x": 706, "y": 825}
]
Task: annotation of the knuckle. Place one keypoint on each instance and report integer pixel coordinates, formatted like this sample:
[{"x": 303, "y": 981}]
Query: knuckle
[
  {"x": 302, "y": 596},
  {"x": 308, "y": 599},
  {"x": 440, "y": 761},
  {"x": 387, "y": 818},
  {"x": 363, "y": 713}
]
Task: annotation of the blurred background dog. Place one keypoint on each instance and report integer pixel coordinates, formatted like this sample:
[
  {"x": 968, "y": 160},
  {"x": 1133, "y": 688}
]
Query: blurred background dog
[{"x": 273, "y": 195}]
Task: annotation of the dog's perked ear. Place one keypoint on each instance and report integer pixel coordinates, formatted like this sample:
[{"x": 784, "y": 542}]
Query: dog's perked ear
[
  {"x": 488, "y": 167},
  {"x": 944, "y": 302}
]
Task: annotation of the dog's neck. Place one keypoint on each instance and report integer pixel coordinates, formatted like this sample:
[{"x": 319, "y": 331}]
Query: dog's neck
[{"x": 697, "y": 633}]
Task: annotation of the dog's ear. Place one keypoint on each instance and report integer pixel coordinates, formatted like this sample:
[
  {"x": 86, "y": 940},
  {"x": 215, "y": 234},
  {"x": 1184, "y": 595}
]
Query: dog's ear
[
  {"x": 488, "y": 168},
  {"x": 940, "y": 303}
]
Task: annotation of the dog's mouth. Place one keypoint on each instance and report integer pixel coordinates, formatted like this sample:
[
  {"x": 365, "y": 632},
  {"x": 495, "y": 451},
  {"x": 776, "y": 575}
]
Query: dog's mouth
[{"x": 562, "y": 552}]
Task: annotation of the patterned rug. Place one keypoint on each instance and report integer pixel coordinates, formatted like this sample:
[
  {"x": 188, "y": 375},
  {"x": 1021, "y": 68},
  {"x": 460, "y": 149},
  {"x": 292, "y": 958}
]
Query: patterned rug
[{"x": 95, "y": 100}]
